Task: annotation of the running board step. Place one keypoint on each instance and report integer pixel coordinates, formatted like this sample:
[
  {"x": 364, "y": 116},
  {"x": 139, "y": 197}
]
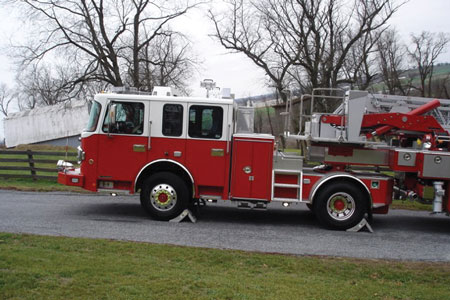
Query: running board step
[
  {"x": 211, "y": 197},
  {"x": 286, "y": 185},
  {"x": 249, "y": 205},
  {"x": 285, "y": 199},
  {"x": 284, "y": 171}
]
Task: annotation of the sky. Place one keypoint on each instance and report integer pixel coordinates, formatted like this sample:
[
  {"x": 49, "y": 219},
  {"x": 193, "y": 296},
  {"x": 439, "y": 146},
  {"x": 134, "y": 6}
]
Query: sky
[
  {"x": 238, "y": 72},
  {"x": 235, "y": 71}
]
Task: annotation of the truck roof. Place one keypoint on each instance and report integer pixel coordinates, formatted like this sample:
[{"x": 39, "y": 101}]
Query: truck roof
[{"x": 113, "y": 96}]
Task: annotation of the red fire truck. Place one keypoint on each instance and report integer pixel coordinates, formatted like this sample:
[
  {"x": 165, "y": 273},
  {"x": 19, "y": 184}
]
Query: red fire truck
[{"x": 176, "y": 151}]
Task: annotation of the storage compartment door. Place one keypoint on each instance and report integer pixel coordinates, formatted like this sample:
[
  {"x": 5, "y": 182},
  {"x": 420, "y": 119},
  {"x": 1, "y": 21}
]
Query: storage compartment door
[{"x": 252, "y": 169}]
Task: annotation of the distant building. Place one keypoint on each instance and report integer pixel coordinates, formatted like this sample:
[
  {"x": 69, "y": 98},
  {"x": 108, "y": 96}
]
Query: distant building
[{"x": 59, "y": 124}]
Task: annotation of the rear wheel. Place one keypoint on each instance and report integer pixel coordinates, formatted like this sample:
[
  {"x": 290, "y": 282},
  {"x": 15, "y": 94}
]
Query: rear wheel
[
  {"x": 164, "y": 195},
  {"x": 340, "y": 205}
]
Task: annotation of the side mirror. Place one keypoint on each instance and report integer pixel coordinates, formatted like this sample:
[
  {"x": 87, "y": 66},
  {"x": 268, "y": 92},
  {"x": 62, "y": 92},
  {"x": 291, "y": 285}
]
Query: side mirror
[
  {"x": 112, "y": 117},
  {"x": 112, "y": 114}
]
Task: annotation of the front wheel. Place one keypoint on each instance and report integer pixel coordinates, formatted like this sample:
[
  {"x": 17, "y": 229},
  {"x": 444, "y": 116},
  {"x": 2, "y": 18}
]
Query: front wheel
[
  {"x": 164, "y": 196},
  {"x": 340, "y": 205}
]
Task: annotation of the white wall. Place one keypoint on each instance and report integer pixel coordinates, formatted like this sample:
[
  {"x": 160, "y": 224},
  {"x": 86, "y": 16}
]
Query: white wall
[{"x": 46, "y": 123}]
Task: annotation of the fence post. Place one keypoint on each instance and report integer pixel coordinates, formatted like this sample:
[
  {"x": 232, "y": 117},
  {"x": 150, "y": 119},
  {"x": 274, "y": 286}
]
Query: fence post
[{"x": 31, "y": 163}]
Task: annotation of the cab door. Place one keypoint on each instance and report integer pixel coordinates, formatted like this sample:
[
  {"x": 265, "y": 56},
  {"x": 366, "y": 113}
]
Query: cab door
[
  {"x": 168, "y": 131},
  {"x": 208, "y": 148},
  {"x": 122, "y": 144}
]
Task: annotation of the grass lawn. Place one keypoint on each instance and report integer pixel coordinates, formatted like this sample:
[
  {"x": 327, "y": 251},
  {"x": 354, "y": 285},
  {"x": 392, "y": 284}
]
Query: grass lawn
[
  {"x": 406, "y": 204},
  {"x": 41, "y": 185},
  {"x": 37, "y": 267}
]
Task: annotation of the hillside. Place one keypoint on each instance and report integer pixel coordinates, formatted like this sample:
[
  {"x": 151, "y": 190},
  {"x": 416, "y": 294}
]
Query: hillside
[{"x": 440, "y": 70}]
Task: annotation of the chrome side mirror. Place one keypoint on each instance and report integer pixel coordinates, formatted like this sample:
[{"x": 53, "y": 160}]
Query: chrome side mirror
[
  {"x": 112, "y": 114},
  {"x": 112, "y": 117}
]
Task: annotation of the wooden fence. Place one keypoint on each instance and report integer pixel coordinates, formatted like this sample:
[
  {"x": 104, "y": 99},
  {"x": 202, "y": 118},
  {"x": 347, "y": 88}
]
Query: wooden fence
[{"x": 26, "y": 164}]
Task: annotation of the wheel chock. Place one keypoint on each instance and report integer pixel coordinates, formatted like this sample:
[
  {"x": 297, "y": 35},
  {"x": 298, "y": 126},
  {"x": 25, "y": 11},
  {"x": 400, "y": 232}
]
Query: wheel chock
[
  {"x": 183, "y": 215},
  {"x": 363, "y": 223}
]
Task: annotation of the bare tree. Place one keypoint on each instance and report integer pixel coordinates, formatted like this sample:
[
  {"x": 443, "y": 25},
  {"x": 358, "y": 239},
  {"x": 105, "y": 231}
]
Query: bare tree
[
  {"x": 440, "y": 87},
  {"x": 167, "y": 61},
  {"x": 247, "y": 28},
  {"x": 425, "y": 50},
  {"x": 391, "y": 58},
  {"x": 6, "y": 99},
  {"x": 360, "y": 67},
  {"x": 104, "y": 38},
  {"x": 46, "y": 85},
  {"x": 329, "y": 33},
  {"x": 310, "y": 40}
]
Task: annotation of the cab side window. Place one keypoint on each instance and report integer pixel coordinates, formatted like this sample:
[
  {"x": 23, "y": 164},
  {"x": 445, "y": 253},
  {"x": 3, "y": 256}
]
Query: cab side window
[
  {"x": 129, "y": 118},
  {"x": 205, "y": 122},
  {"x": 172, "y": 120}
]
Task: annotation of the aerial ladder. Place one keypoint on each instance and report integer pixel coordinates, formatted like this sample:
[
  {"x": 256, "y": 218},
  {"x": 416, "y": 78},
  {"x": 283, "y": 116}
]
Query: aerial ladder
[{"x": 405, "y": 135}]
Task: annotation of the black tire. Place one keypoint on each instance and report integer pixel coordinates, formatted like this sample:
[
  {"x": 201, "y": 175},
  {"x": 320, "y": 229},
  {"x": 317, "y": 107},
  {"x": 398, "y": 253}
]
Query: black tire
[
  {"x": 340, "y": 205},
  {"x": 164, "y": 196},
  {"x": 309, "y": 206}
]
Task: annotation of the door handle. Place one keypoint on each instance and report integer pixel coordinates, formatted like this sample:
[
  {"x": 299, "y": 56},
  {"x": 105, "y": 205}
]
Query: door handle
[{"x": 149, "y": 142}]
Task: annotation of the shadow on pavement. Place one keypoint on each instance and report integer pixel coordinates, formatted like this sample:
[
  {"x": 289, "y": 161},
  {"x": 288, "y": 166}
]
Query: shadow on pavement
[
  {"x": 213, "y": 213},
  {"x": 407, "y": 221}
]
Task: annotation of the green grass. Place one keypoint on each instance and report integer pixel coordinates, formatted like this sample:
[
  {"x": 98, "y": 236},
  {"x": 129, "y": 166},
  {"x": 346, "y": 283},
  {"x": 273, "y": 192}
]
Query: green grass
[
  {"x": 410, "y": 205},
  {"x": 41, "y": 185},
  {"x": 293, "y": 151},
  {"x": 35, "y": 267}
]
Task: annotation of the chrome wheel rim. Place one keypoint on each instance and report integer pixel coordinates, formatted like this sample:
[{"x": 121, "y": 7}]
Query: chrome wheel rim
[
  {"x": 341, "y": 206},
  {"x": 163, "y": 197}
]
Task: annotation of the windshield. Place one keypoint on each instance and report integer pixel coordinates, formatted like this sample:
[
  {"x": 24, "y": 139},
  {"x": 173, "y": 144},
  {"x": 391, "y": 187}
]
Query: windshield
[{"x": 93, "y": 116}]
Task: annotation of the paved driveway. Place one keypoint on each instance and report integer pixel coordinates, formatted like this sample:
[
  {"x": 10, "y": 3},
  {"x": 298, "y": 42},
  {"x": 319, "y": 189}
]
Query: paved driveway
[{"x": 401, "y": 234}]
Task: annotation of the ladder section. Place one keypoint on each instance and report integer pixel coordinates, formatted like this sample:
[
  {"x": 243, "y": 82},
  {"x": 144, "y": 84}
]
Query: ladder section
[
  {"x": 287, "y": 177},
  {"x": 392, "y": 103}
]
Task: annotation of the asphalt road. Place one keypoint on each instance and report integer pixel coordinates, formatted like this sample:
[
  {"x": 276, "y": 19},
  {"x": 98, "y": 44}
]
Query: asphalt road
[{"x": 401, "y": 234}]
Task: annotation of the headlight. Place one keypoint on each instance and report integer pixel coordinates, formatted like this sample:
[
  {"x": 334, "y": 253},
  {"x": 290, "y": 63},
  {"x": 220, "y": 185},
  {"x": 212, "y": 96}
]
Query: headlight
[
  {"x": 62, "y": 165},
  {"x": 80, "y": 154}
]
